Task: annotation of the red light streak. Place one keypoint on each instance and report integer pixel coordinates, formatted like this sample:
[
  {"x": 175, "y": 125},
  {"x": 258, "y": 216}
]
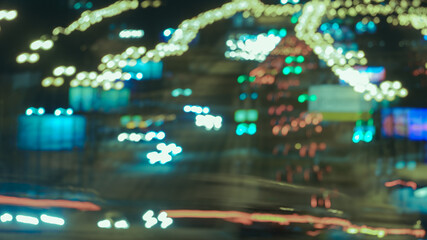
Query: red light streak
[
  {"x": 411, "y": 184},
  {"x": 282, "y": 219},
  {"x": 314, "y": 233},
  {"x": 48, "y": 203}
]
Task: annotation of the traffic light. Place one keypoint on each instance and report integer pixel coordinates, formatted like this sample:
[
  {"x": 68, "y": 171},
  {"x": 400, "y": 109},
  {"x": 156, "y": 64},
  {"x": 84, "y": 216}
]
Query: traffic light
[
  {"x": 290, "y": 69},
  {"x": 296, "y": 59},
  {"x": 245, "y": 128},
  {"x": 246, "y": 115},
  {"x": 364, "y": 132},
  {"x": 244, "y": 78},
  {"x": 246, "y": 119},
  {"x": 305, "y": 97}
]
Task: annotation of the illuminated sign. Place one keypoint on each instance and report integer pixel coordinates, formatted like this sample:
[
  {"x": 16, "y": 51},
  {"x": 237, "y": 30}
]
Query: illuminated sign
[
  {"x": 95, "y": 99},
  {"x": 405, "y": 123},
  {"x": 49, "y": 132},
  {"x": 338, "y": 103},
  {"x": 145, "y": 71}
]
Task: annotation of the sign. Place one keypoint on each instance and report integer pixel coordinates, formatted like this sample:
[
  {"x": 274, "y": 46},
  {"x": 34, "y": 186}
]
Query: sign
[
  {"x": 145, "y": 71},
  {"x": 95, "y": 99},
  {"x": 51, "y": 133},
  {"x": 404, "y": 123},
  {"x": 338, "y": 103}
]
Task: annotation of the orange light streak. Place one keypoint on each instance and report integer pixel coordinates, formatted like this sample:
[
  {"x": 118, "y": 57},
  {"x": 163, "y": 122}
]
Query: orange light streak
[
  {"x": 411, "y": 184},
  {"x": 48, "y": 203},
  {"x": 282, "y": 219}
]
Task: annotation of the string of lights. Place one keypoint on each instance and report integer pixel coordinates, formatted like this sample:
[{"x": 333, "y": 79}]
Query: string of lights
[
  {"x": 111, "y": 74},
  {"x": 86, "y": 20},
  {"x": 8, "y": 15}
]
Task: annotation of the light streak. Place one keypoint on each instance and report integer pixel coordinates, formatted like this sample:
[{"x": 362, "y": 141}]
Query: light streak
[
  {"x": 48, "y": 203},
  {"x": 410, "y": 184},
  {"x": 306, "y": 29},
  {"x": 283, "y": 219}
]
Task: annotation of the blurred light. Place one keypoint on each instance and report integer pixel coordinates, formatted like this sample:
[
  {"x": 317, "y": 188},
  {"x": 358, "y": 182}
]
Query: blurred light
[
  {"x": 52, "y": 220},
  {"x": 161, "y": 146},
  {"x": 313, "y": 98},
  {"x": 165, "y": 220},
  {"x": 196, "y": 109},
  {"x": 287, "y": 219},
  {"x": 121, "y": 224},
  {"x": 27, "y": 219},
  {"x": 421, "y": 192},
  {"x": 29, "y": 111},
  {"x": 59, "y": 71},
  {"x": 411, "y": 165},
  {"x": 150, "y": 136},
  {"x": 161, "y": 135},
  {"x": 187, "y": 92},
  {"x": 34, "y": 57},
  {"x": 46, "y": 45},
  {"x": 148, "y": 217},
  {"x": 122, "y": 137},
  {"x": 22, "y": 58},
  {"x": 242, "y": 78},
  {"x": 139, "y": 76},
  {"x": 131, "y": 33},
  {"x": 252, "y": 47},
  {"x": 57, "y": 112},
  {"x": 36, "y": 45},
  {"x": 41, "y": 111},
  {"x": 48, "y": 203},
  {"x": 241, "y": 129},
  {"x": 254, "y": 96},
  {"x": 168, "y": 32},
  {"x": 206, "y": 110},
  {"x": 368, "y": 137},
  {"x": 283, "y": 32},
  {"x": 357, "y": 136},
  {"x": 187, "y": 108},
  {"x": 8, "y": 15},
  {"x": 177, "y": 150},
  {"x": 209, "y": 122},
  {"x": 6, "y": 217},
  {"x": 70, "y": 111},
  {"x": 176, "y": 92},
  {"x": 106, "y": 224},
  {"x": 411, "y": 184},
  {"x": 287, "y": 70},
  {"x": 302, "y": 98},
  {"x": 77, "y": 5},
  {"x": 252, "y": 129},
  {"x": 70, "y": 70}
]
